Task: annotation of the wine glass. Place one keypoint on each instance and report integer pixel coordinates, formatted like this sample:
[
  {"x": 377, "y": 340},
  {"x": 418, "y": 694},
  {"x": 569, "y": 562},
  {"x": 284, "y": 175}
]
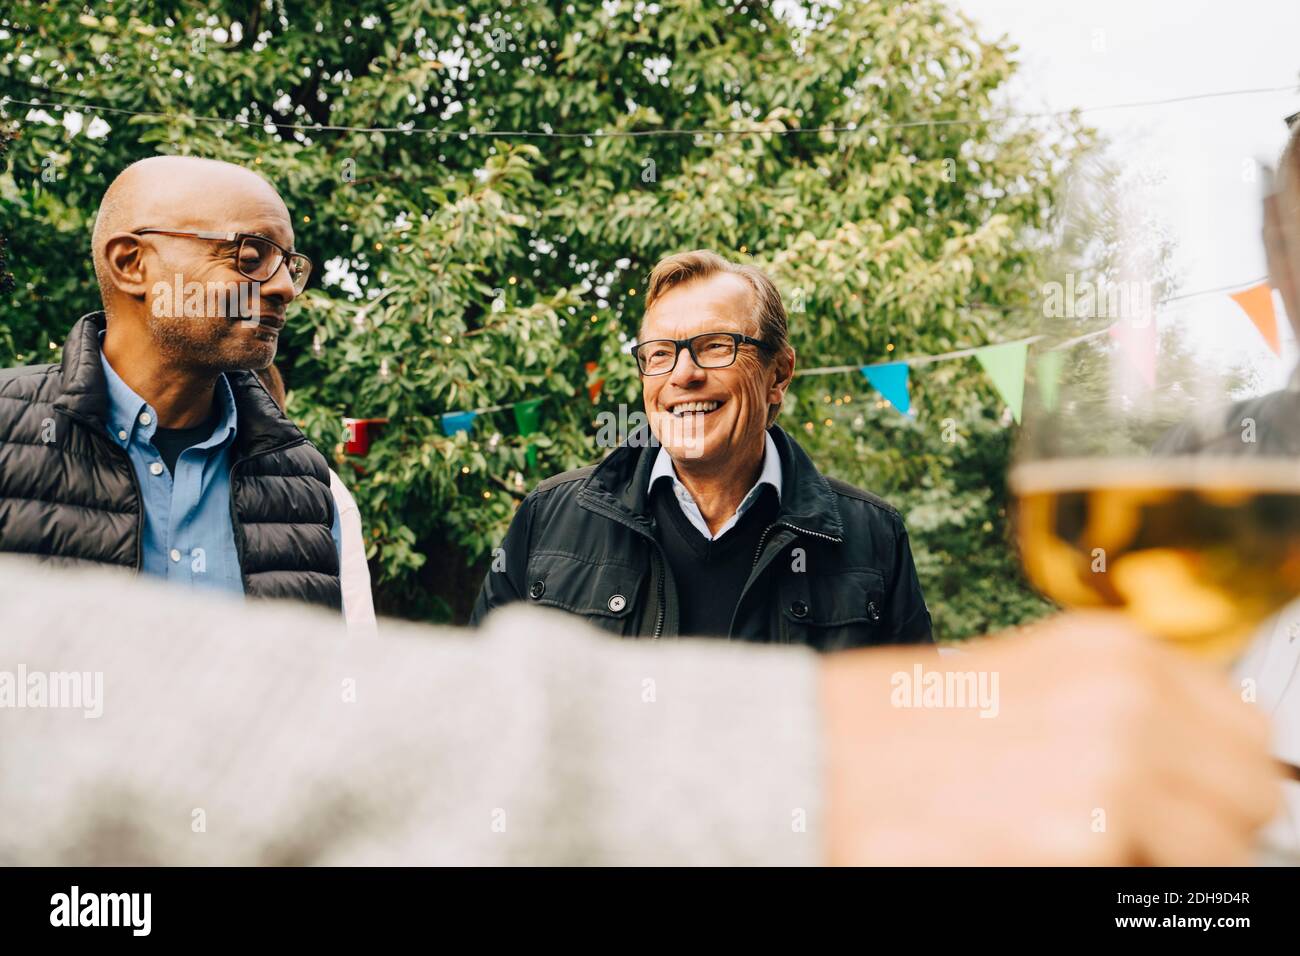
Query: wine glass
[{"x": 1143, "y": 482}]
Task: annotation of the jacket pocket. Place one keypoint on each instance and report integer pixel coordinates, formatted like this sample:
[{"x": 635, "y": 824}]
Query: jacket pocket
[
  {"x": 834, "y": 611},
  {"x": 606, "y": 593}
]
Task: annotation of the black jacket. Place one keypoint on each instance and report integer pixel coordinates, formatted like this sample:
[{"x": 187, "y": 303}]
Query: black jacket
[
  {"x": 68, "y": 493},
  {"x": 833, "y": 571}
]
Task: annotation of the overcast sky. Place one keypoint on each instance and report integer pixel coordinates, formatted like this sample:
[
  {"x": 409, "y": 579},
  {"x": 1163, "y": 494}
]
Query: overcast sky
[{"x": 1079, "y": 54}]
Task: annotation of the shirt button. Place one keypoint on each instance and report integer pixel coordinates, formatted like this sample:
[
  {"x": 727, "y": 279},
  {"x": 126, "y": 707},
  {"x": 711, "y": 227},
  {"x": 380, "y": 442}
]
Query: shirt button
[
  {"x": 122, "y": 434},
  {"x": 156, "y": 468},
  {"x": 175, "y": 555},
  {"x": 799, "y": 609},
  {"x": 145, "y": 418},
  {"x": 537, "y": 590},
  {"x": 617, "y": 603}
]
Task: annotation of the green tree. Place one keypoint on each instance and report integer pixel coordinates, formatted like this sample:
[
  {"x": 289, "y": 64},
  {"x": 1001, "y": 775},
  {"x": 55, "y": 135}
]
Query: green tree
[
  {"x": 852, "y": 149},
  {"x": 6, "y": 280}
]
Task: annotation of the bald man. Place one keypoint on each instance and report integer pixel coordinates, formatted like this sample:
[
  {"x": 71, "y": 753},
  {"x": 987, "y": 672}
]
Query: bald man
[{"x": 153, "y": 446}]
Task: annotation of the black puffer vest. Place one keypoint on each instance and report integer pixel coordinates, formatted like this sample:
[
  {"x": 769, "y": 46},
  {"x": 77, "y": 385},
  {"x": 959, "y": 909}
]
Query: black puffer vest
[{"x": 68, "y": 494}]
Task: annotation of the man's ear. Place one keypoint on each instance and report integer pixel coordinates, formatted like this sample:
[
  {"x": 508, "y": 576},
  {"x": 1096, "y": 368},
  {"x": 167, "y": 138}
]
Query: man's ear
[
  {"x": 784, "y": 365},
  {"x": 124, "y": 258}
]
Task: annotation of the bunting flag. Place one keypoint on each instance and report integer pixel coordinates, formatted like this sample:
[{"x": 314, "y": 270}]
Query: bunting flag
[
  {"x": 527, "y": 418},
  {"x": 1005, "y": 366},
  {"x": 890, "y": 380},
  {"x": 360, "y": 433},
  {"x": 528, "y": 415},
  {"x": 457, "y": 422},
  {"x": 1257, "y": 303},
  {"x": 1049, "y": 377},
  {"x": 1138, "y": 344},
  {"x": 594, "y": 388}
]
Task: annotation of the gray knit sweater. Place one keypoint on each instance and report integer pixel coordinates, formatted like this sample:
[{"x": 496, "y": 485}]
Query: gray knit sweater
[{"x": 260, "y": 734}]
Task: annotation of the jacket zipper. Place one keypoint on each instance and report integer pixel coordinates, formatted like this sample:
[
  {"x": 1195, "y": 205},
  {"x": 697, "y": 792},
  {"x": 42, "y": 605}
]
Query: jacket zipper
[
  {"x": 659, "y": 619},
  {"x": 785, "y": 524},
  {"x": 762, "y": 542}
]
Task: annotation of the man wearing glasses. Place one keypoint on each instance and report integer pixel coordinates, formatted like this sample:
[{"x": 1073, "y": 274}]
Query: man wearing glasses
[
  {"x": 720, "y": 525},
  {"x": 153, "y": 445}
]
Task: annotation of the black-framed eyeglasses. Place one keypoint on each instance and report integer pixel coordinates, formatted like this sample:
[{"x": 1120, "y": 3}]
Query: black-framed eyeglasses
[
  {"x": 256, "y": 257},
  {"x": 708, "y": 349}
]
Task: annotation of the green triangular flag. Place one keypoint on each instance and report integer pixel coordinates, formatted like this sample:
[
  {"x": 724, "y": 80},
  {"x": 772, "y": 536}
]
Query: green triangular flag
[
  {"x": 1049, "y": 377},
  {"x": 527, "y": 415},
  {"x": 1005, "y": 365}
]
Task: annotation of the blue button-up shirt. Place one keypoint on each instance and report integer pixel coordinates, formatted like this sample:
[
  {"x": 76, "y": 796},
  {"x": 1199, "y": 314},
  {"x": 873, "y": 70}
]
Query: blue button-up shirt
[
  {"x": 769, "y": 475},
  {"x": 189, "y": 536}
]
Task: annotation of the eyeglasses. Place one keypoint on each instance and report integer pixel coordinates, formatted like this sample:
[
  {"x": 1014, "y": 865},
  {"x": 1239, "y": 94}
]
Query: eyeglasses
[
  {"x": 256, "y": 257},
  {"x": 709, "y": 350}
]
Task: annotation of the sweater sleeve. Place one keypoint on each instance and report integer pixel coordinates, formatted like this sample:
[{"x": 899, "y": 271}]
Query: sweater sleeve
[
  {"x": 354, "y": 572},
  {"x": 207, "y": 731}
]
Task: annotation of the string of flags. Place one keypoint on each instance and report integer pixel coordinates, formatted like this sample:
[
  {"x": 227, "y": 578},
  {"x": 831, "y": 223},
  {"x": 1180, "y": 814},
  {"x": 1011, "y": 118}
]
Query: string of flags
[{"x": 1004, "y": 363}]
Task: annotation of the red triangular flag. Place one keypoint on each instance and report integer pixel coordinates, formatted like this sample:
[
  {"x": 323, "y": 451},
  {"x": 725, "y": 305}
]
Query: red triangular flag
[
  {"x": 594, "y": 388},
  {"x": 1257, "y": 303}
]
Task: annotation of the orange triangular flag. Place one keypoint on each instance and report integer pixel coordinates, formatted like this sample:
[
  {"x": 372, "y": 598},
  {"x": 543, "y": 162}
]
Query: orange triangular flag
[
  {"x": 1257, "y": 302},
  {"x": 594, "y": 388}
]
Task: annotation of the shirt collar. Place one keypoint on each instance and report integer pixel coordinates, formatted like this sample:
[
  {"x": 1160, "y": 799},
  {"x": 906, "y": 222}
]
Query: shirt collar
[
  {"x": 127, "y": 411},
  {"x": 769, "y": 475}
]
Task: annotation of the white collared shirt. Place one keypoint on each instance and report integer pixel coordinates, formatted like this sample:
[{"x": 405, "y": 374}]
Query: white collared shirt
[{"x": 770, "y": 475}]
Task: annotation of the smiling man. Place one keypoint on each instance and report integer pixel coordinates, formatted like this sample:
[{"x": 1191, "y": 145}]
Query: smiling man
[
  {"x": 720, "y": 526},
  {"x": 152, "y": 445}
]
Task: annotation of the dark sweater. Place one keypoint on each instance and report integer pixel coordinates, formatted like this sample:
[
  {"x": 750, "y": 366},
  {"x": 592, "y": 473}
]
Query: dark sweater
[
  {"x": 709, "y": 575},
  {"x": 171, "y": 442}
]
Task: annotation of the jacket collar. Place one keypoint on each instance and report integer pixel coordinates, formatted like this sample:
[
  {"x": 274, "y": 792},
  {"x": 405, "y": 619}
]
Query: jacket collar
[
  {"x": 622, "y": 482},
  {"x": 262, "y": 426},
  {"x": 85, "y": 388}
]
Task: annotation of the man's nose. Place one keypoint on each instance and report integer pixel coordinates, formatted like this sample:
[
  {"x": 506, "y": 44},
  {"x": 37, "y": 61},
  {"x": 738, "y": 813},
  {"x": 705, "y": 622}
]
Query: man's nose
[
  {"x": 686, "y": 371},
  {"x": 279, "y": 285}
]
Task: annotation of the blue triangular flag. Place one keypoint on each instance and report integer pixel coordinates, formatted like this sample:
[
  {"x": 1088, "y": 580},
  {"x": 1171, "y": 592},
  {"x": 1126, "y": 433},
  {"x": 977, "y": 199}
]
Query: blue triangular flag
[
  {"x": 457, "y": 422},
  {"x": 890, "y": 381}
]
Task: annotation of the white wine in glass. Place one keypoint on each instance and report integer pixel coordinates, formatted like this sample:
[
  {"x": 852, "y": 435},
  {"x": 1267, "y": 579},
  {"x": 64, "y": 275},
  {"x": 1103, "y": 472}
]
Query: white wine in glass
[{"x": 1198, "y": 551}]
